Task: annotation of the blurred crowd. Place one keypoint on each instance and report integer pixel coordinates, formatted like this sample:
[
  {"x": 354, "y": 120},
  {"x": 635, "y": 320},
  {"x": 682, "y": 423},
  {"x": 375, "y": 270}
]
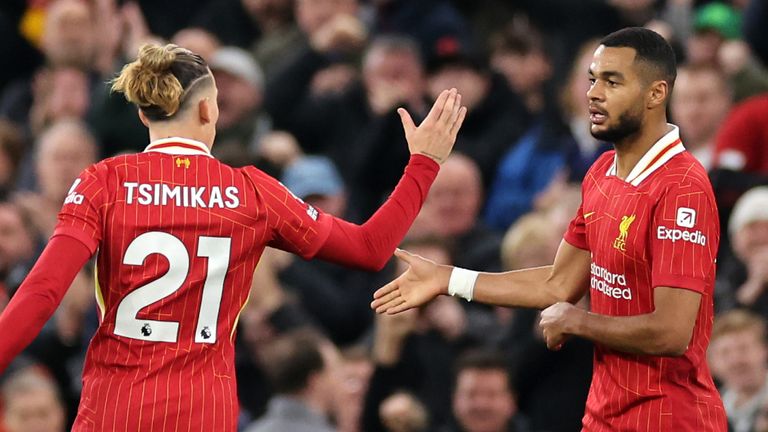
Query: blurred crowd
[{"x": 307, "y": 92}]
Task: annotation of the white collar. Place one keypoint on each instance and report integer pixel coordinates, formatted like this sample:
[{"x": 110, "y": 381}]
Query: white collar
[
  {"x": 178, "y": 146},
  {"x": 662, "y": 151}
]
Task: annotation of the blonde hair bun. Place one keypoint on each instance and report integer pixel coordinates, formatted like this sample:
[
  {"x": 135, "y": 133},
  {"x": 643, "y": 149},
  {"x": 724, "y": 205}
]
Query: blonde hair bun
[
  {"x": 157, "y": 58},
  {"x": 149, "y": 82}
]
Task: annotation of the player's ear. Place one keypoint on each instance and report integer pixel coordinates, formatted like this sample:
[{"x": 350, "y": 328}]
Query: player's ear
[
  {"x": 143, "y": 118},
  {"x": 204, "y": 110},
  {"x": 658, "y": 92}
]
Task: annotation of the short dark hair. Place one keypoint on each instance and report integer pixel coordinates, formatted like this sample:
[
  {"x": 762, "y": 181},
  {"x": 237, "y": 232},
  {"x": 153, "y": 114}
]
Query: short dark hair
[
  {"x": 650, "y": 47},
  {"x": 293, "y": 359},
  {"x": 484, "y": 360}
]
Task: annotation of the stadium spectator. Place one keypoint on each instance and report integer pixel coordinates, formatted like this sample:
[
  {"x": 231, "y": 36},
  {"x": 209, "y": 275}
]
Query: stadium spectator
[
  {"x": 197, "y": 40},
  {"x": 546, "y": 381},
  {"x": 404, "y": 349},
  {"x": 451, "y": 212},
  {"x": 59, "y": 93},
  {"x": 31, "y": 403},
  {"x": 63, "y": 151},
  {"x": 300, "y": 366},
  {"x": 357, "y": 128},
  {"x": 555, "y": 148},
  {"x": 483, "y": 398},
  {"x": 740, "y": 141},
  {"x": 11, "y": 152},
  {"x": 403, "y": 412},
  {"x": 716, "y": 41},
  {"x": 355, "y": 372},
  {"x": 496, "y": 117},
  {"x": 18, "y": 247},
  {"x": 242, "y": 122},
  {"x": 699, "y": 104},
  {"x": 755, "y": 19},
  {"x": 519, "y": 53},
  {"x": 425, "y": 21},
  {"x": 761, "y": 418},
  {"x": 744, "y": 280},
  {"x": 739, "y": 358},
  {"x": 68, "y": 41},
  {"x": 335, "y": 297}
]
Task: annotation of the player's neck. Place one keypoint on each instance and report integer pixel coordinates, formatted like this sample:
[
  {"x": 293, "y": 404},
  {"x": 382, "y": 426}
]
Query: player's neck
[
  {"x": 631, "y": 150},
  {"x": 158, "y": 132}
]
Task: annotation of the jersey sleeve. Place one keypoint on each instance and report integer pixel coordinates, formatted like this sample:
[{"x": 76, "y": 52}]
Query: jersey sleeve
[
  {"x": 80, "y": 216},
  {"x": 576, "y": 234},
  {"x": 684, "y": 237},
  {"x": 296, "y": 226}
]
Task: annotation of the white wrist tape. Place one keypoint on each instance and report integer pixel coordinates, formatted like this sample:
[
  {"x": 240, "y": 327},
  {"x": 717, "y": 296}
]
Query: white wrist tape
[{"x": 462, "y": 283}]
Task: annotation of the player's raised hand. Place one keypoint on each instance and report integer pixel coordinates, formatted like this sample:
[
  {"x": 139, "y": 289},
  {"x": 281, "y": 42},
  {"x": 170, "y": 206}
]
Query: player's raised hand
[
  {"x": 435, "y": 136},
  {"x": 423, "y": 281}
]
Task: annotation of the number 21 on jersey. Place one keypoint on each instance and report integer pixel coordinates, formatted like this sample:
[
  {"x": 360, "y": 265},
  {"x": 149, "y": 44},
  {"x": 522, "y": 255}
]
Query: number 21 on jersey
[{"x": 215, "y": 249}]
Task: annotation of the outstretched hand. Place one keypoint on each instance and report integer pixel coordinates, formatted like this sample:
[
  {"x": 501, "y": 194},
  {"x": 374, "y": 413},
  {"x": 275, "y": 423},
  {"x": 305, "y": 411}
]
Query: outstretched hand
[
  {"x": 435, "y": 136},
  {"x": 423, "y": 281}
]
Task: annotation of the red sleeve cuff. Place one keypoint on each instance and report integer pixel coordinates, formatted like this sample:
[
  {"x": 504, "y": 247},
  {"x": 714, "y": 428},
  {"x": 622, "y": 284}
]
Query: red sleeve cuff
[
  {"x": 426, "y": 161},
  {"x": 576, "y": 241},
  {"x": 78, "y": 235},
  {"x": 685, "y": 282}
]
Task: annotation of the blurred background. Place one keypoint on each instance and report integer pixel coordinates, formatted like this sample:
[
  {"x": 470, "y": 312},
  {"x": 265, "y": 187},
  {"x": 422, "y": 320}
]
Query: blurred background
[{"x": 307, "y": 92}]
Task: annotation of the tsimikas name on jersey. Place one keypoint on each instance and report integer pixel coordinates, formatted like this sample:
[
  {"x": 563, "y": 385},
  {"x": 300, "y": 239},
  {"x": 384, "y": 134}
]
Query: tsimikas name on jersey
[
  {"x": 674, "y": 234},
  {"x": 611, "y": 284},
  {"x": 182, "y": 196}
]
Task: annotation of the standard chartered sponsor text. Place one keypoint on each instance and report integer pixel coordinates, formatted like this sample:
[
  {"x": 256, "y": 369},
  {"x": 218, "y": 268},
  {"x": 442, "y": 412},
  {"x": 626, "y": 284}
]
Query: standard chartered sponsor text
[{"x": 611, "y": 284}]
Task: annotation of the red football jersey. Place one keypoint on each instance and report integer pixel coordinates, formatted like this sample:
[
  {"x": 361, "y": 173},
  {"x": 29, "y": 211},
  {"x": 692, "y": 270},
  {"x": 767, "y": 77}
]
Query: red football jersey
[
  {"x": 659, "y": 227},
  {"x": 178, "y": 235}
]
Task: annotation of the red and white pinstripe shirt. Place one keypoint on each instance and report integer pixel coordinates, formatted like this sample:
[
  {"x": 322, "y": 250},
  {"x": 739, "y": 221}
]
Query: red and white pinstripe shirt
[
  {"x": 659, "y": 227},
  {"x": 179, "y": 235}
]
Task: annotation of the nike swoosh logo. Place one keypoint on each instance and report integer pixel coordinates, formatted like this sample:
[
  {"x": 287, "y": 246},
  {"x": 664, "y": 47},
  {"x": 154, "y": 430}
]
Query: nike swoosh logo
[{"x": 586, "y": 215}]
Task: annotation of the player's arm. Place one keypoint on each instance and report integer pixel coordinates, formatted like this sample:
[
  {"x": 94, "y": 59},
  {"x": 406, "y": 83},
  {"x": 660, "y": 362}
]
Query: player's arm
[
  {"x": 682, "y": 273},
  {"x": 369, "y": 246},
  {"x": 665, "y": 331},
  {"x": 40, "y": 294},
  {"x": 564, "y": 281}
]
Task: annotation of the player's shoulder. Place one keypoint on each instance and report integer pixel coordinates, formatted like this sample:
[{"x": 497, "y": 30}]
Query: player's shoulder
[
  {"x": 684, "y": 168},
  {"x": 603, "y": 163},
  {"x": 683, "y": 171},
  {"x": 257, "y": 176}
]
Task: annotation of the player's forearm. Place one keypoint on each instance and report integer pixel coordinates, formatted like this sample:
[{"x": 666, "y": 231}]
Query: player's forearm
[
  {"x": 39, "y": 295},
  {"x": 638, "y": 334},
  {"x": 530, "y": 288},
  {"x": 370, "y": 246}
]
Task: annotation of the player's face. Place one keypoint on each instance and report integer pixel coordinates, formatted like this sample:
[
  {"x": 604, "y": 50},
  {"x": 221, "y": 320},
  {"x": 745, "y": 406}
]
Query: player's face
[
  {"x": 483, "y": 402},
  {"x": 616, "y": 95}
]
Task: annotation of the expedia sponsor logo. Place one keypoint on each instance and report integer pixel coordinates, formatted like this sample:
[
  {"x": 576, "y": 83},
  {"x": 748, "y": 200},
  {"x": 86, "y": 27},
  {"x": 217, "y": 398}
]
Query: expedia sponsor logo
[
  {"x": 611, "y": 284},
  {"x": 674, "y": 235}
]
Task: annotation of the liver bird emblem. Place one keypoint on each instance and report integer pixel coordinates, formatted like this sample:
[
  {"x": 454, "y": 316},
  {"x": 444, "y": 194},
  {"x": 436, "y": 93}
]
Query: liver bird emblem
[{"x": 621, "y": 241}]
